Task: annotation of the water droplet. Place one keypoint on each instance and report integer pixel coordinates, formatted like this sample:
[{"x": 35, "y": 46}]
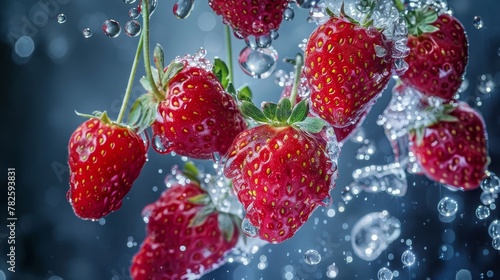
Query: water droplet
[
  {"x": 463, "y": 274},
  {"x": 248, "y": 228},
  {"x": 132, "y": 28},
  {"x": 288, "y": 14},
  {"x": 87, "y": 33},
  {"x": 366, "y": 151},
  {"x": 312, "y": 257},
  {"x": 61, "y": 18},
  {"x": 488, "y": 198},
  {"x": 384, "y": 274},
  {"x": 494, "y": 229},
  {"x": 152, "y": 6},
  {"x": 495, "y": 243},
  {"x": 24, "y": 46},
  {"x": 258, "y": 63},
  {"x": 274, "y": 34},
  {"x": 134, "y": 13},
  {"x": 477, "y": 22},
  {"x": 446, "y": 252},
  {"x": 102, "y": 221},
  {"x": 380, "y": 51},
  {"x": 373, "y": 233},
  {"x": 486, "y": 84},
  {"x": 111, "y": 28},
  {"x": 332, "y": 271},
  {"x": 183, "y": 8},
  {"x": 491, "y": 183},
  {"x": 408, "y": 258},
  {"x": 264, "y": 41},
  {"x": 447, "y": 207},
  {"x": 306, "y": 4},
  {"x": 464, "y": 85},
  {"x": 158, "y": 145}
]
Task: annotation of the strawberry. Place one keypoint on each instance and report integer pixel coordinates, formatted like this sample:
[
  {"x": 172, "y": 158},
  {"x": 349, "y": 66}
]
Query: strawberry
[
  {"x": 250, "y": 17},
  {"x": 281, "y": 169},
  {"x": 438, "y": 53},
  {"x": 105, "y": 159},
  {"x": 197, "y": 117},
  {"x": 348, "y": 65},
  {"x": 187, "y": 236},
  {"x": 452, "y": 150}
]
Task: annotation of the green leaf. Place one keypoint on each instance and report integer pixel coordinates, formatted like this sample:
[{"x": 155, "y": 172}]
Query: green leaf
[
  {"x": 172, "y": 69},
  {"x": 202, "y": 215},
  {"x": 143, "y": 113},
  {"x": 191, "y": 172},
  {"x": 244, "y": 93},
  {"x": 299, "y": 112},
  {"x": 158, "y": 57},
  {"x": 310, "y": 124},
  {"x": 221, "y": 71},
  {"x": 145, "y": 84},
  {"x": 226, "y": 225},
  {"x": 284, "y": 110},
  {"x": 249, "y": 110},
  {"x": 200, "y": 199},
  {"x": 231, "y": 90},
  {"x": 269, "y": 110}
]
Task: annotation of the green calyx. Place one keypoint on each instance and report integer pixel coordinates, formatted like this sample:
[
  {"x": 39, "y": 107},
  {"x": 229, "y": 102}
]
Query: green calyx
[
  {"x": 435, "y": 114},
  {"x": 420, "y": 21},
  {"x": 369, "y": 5},
  {"x": 223, "y": 74},
  {"x": 103, "y": 116}
]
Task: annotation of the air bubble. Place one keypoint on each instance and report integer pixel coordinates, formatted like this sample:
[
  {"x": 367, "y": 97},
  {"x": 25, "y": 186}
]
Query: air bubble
[
  {"x": 87, "y": 33},
  {"x": 447, "y": 207},
  {"x": 494, "y": 229},
  {"x": 111, "y": 28},
  {"x": 312, "y": 257},
  {"x": 477, "y": 22},
  {"x": 61, "y": 18},
  {"x": 491, "y": 183},
  {"x": 488, "y": 198},
  {"x": 288, "y": 14},
  {"x": 132, "y": 28},
  {"x": 384, "y": 274},
  {"x": 258, "y": 63},
  {"x": 408, "y": 258}
]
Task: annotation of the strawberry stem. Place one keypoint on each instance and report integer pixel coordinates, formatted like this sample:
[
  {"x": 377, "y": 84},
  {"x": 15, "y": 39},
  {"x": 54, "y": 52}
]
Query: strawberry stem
[
  {"x": 130, "y": 81},
  {"x": 229, "y": 51},
  {"x": 299, "y": 63},
  {"x": 147, "y": 60}
]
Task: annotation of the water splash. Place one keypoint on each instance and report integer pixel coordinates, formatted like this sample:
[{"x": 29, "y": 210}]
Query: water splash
[
  {"x": 111, "y": 28},
  {"x": 132, "y": 28},
  {"x": 258, "y": 63},
  {"x": 312, "y": 257},
  {"x": 390, "y": 178},
  {"x": 373, "y": 233},
  {"x": 183, "y": 8}
]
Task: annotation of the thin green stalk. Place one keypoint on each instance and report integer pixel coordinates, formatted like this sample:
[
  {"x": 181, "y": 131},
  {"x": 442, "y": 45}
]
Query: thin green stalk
[
  {"x": 399, "y": 5},
  {"x": 229, "y": 51},
  {"x": 130, "y": 81},
  {"x": 299, "y": 63},
  {"x": 147, "y": 60}
]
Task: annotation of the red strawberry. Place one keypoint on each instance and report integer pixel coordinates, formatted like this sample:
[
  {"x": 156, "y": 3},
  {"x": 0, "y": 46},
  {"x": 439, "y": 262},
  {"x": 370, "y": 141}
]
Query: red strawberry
[
  {"x": 438, "y": 53},
  {"x": 453, "y": 150},
  {"x": 250, "y": 17},
  {"x": 104, "y": 159},
  {"x": 347, "y": 65},
  {"x": 198, "y": 117},
  {"x": 280, "y": 172},
  {"x": 186, "y": 235}
]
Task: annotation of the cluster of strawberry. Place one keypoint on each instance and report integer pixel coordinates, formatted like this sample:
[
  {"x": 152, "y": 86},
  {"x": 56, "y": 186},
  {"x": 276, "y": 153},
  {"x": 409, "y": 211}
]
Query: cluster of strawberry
[{"x": 281, "y": 158}]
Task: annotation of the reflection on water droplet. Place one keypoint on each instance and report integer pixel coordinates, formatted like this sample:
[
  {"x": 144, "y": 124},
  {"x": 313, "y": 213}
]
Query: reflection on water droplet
[
  {"x": 384, "y": 274},
  {"x": 111, "y": 28},
  {"x": 312, "y": 257},
  {"x": 482, "y": 212},
  {"x": 87, "y": 33},
  {"x": 494, "y": 229},
  {"x": 129, "y": 1},
  {"x": 132, "y": 28},
  {"x": 380, "y": 51},
  {"x": 488, "y": 198},
  {"x": 373, "y": 233},
  {"x": 477, "y": 22},
  {"x": 61, "y": 18},
  {"x": 133, "y": 13},
  {"x": 264, "y": 41},
  {"x": 258, "y": 63},
  {"x": 248, "y": 228},
  {"x": 408, "y": 258},
  {"x": 158, "y": 145},
  {"x": 447, "y": 207},
  {"x": 288, "y": 14},
  {"x": 182, "y": 8},
  {"x": 306, "y": 4},
  {"x": 491, "y": 183}
]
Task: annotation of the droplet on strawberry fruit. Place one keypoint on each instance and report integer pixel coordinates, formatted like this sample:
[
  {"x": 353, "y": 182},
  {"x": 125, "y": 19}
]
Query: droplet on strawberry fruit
[
  {"x": 258, "y": 63},
  {"x": 249, "y": 229},
  {"x": 288, "y": 14}
]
